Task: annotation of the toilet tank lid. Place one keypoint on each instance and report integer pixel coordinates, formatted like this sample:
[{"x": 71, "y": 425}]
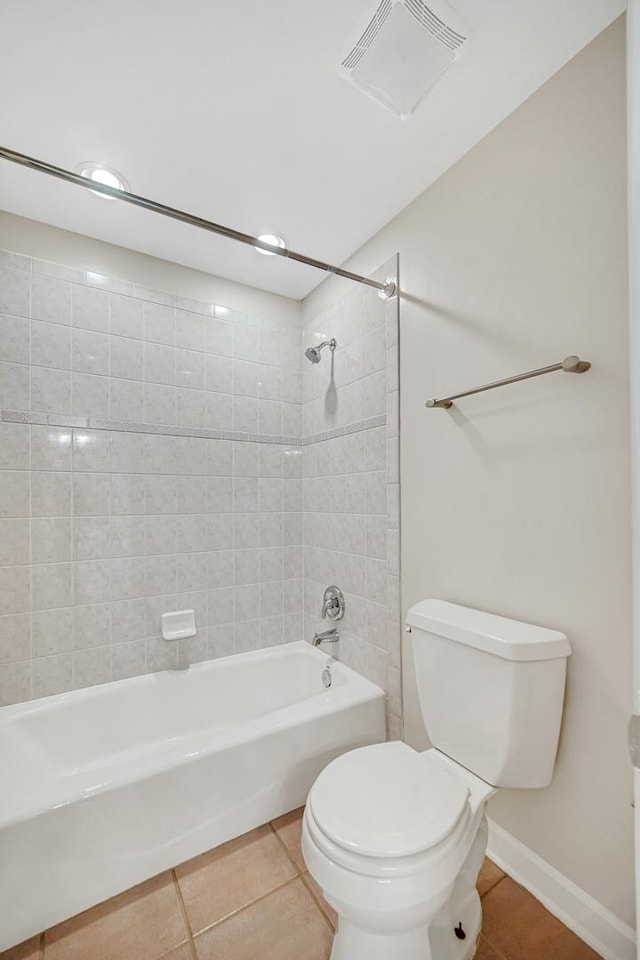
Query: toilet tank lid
[{"x": 509, "y": 639}]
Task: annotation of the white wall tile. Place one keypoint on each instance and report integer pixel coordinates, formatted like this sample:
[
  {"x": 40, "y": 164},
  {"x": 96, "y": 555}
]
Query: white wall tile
[
  {"x": 159, "y": 364},
  {"x": 90, "y": 395},
  {"x": 91, "y": 625},
  {"x": 127, "y": 358},
  {"x": 90, "y": 308},
  {"x": 50, "y": 299},
  {"x": 219, "y": 337},
  {"x": 15, "y": 386},
  {"x": 14, "y": 541},
  {"x": 159, "y": 323},
  {"x": 47, "y": 269},
  {"x": 14, "y": 339},
  {"x": 50, "y": 540},
  {"x": 90, "y": 353},
  {"x": 15, "y": 682},
  {"x": 159, "y": 403},
  {"x": 51, "y": 586},
  {"x": 92, "y": 450},
  {"x": 218, "y": 374},
  {"x": 128, "y": 620},
  {"x": 50, "y": 345},
  {"x": 50, "y": 390},
  {"x": 190, "y": 369},
  {"x": 14, "y": 292},
  {"x": 52, "y": 632},
  {"x": 127, "y": 495},
  {"x": 50, "y": 446},
  {"x": 128, "y": 578},
  {"x": 190, "y": 331},
  {"x": 14, "y": 261},
  {"x": 15, "y": 640},
  {"x": 245, "y": 378},
  {"x": 128, "y": 659},
  {"x": 126, "y": 316},
  {"x": 111, "y": 551},
  {"x": 245, "y": 414},
  {"x": 126, "y": 400},
  {"x": 91, "y": 538},
  {"x": 191, "y": 407},
  {"x": 14, "y": 493},
  {"x": 274, "y": 385},
  {"x": 14, "y": 589},
  {"x": 245, "y": 342},
  {"x": 52, "y": 675},
  {"x": 92, "y": 666}
]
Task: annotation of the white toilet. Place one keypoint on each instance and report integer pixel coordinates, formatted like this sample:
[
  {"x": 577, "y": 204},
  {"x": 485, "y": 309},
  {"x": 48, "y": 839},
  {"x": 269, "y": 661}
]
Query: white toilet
[{"x": 396, "y": 838}]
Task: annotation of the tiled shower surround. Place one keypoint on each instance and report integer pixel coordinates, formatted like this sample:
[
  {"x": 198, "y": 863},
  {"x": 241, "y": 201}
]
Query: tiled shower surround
[
  {"x": 151, "y": 458},
  {"x": 351, "y": 483}
]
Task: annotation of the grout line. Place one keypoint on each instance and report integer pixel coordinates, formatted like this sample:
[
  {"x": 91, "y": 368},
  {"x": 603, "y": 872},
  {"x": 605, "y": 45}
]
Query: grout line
[
  {"x": 184, "y": 914},
  {"x": 41, "y": 947},
  {"x": 493, "y": 885},
  {"x": 234, "y": 913},
  {"x": 499, "y": 953},
  {"x": 286, "y": 850},
  {"x": 317, "y": 901}
]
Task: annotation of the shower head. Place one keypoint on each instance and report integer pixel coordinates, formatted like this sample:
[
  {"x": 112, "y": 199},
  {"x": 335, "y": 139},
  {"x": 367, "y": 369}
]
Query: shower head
[{"x": 313, "y": 353}]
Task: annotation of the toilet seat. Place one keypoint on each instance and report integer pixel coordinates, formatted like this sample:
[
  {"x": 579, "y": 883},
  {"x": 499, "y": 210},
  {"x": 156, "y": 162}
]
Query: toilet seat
[{"x": 385, "y": 809}]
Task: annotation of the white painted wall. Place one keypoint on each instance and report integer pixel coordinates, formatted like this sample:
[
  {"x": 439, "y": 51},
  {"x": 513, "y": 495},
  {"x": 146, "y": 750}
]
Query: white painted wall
[
  {"x": 633, "y": 136},
  {"x": 517, "y": 501}
]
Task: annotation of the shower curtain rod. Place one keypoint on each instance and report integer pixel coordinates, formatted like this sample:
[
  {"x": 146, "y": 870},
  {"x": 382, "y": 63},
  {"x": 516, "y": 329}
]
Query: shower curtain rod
[{"x": 387, "y": 288}]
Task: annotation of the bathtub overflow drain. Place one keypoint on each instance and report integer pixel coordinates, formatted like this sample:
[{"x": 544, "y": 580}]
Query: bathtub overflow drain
[{"x": 326, "y": 677}]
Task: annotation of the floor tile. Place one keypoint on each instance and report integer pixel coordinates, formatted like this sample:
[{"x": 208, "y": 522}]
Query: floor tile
[
  {"x": 486, "y": 952},
  {"x": 29, "y": 950},
  {"x": 145, "y": 922},
  {"x": 316, "y": 890},
  {"x": 183, "y": 952},
  {"x": 232, "y": 876},
  {"x": 521, "y": 928},
  {"x": 289, "y": 829},
  {"x": 286, "y": 925},
  {"x": 490, "y": 874}
]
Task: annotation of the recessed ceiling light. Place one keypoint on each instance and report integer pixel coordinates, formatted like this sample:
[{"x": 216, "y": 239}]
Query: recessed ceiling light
[
  {"x": 102, "y": 174},
  {"x": 273, "y": 240}
]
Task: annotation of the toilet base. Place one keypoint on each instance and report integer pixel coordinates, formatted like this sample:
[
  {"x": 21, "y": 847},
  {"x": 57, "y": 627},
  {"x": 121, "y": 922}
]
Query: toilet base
[{"x": 434, "y": 941}]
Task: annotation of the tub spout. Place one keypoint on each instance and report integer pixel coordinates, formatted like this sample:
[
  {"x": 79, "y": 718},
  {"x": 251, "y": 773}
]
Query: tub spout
[{"x": 327, "y": 636}]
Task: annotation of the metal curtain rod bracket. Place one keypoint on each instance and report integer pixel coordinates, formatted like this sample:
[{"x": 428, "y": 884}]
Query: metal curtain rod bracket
[
  {"x": 569, "y": 365},
  {"x": 387, "y": 288}
]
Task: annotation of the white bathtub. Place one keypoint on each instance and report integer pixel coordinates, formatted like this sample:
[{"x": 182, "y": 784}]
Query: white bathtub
[{"x": 105, "y": 787}]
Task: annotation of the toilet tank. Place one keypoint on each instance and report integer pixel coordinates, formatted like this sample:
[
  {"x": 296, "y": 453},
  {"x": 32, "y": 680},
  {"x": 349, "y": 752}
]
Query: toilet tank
[{"x": 491, "y": 691}]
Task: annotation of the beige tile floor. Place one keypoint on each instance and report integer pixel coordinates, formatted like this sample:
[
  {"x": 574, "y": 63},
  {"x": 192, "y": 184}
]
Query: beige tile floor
[{"x": 252, "y": 898}]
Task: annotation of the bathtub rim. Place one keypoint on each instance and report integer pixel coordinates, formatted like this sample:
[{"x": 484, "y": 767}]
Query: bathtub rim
[{"x": 357, "y": 689}]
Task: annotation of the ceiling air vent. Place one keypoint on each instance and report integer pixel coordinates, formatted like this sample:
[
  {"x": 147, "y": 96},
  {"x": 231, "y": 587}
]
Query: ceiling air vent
[{"x": 398, "y": 53}]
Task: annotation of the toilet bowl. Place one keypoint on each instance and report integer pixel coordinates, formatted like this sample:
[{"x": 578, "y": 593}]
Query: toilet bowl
[{"x": 396, "y": 838}]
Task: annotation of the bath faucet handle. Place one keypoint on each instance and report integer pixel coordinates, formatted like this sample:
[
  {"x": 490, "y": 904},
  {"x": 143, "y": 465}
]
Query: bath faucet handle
[{"x": 333, "y": 604}]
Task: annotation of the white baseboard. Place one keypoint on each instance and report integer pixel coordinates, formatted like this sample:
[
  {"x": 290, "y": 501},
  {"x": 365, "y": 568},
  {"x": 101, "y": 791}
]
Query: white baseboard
[{"x": 596, "y": 925}]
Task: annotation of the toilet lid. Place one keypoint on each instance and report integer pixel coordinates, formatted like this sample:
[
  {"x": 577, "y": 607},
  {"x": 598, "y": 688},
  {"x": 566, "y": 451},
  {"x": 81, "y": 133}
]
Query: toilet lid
[{"x": 386, "y": 801}]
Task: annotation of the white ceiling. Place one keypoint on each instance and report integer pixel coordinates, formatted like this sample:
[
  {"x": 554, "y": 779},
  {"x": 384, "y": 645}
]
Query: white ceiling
[{"x": 234, "y": 111}]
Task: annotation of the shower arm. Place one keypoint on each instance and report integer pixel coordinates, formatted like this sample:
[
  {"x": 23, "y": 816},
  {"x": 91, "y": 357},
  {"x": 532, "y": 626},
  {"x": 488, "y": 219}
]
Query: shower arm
[{"x": 387, "y": 288}]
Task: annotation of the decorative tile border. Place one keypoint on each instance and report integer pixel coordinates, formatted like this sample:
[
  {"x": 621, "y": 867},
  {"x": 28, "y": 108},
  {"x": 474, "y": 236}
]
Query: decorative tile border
[
  {"x": 369, "y": 424},
  {"x": 134, "y": 426}
]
